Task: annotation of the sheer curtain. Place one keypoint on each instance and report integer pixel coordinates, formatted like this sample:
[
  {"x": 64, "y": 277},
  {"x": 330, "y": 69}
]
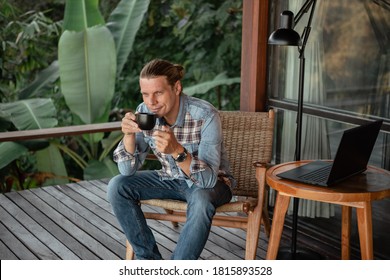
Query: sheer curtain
[
  {"x": 379, "y": 16},
  {"x": 315, "y": 142}
]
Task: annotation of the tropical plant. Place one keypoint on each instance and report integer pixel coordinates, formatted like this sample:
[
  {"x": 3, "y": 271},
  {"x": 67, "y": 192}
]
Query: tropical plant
[
  {"x": 87, "y": 63},
  {"x": 204, "y": 36},
  {"x": 89, "y": 52},
  {"x": 28, "y": 42},
  {"x": 195, "y": 34}
]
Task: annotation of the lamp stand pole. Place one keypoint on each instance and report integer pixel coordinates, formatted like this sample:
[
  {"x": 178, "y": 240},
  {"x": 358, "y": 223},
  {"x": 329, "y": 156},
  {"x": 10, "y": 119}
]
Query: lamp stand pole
[
  {"x": 293, "y": 254},
  {"x": 301, "y": 254},
  {"x": 298, "y": 137},
  {"x": 298, "y": 144}
]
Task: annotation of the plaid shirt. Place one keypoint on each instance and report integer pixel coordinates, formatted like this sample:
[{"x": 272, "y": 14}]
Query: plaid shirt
[{"x": 198, "y": 129}]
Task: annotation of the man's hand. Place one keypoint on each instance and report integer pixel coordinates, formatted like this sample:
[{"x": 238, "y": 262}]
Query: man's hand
[
  {"x": 129, "y": 125},
  {"x": 166, "y": 141},
  {"x": 129, "y": 128}
]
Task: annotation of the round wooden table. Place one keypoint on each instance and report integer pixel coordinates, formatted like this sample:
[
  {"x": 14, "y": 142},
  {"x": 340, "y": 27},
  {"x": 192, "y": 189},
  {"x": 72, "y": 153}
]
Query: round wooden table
[{"x": 357, "y": 191}]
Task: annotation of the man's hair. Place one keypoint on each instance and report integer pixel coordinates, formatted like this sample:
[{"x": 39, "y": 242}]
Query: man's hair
[{"x": 160, "y": 67}]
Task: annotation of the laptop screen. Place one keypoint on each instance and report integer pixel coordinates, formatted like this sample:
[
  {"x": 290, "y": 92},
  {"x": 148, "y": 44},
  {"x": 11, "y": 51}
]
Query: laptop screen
[{"x": 354, "y": 150}]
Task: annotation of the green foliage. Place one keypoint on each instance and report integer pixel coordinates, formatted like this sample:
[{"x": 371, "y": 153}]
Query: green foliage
[
  {"x": 88, "y": 55},
  {"x": 87, "y": 60},
  {"x": 205, "y": 87},
  {"x": 43, "y": 82},
  {"x": 26, "y": 114},
  {"x": 10, "y": 151},
  {"x": 204, "y": 36},
  {"x": 28, "y": 45},
  {"x": 87, "y": 70},
  {"x": 81, "y": 14},
  {"x": 30, "y": 113},
  {"x": 51, "y": 161},
  {"x": 124, "y": 23}
]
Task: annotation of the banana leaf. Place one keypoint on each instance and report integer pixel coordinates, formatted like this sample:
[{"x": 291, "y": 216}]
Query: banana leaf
[
  {"x": 5, "y": 124},
  {"x": 109, "y": 143},
  {"x": 50, "y": 161},
  {"x": 81, "y": 14},
  {"x": 43, "y": 81},
  {"x": 220, "y": 80},
  {"x": 30, "y": 113},
  {"x": 124, "y": 22},
  {"x": 100, "y": 169},
  {"x": 10, "y": 151},
  {"x": 87, "y": 62}
]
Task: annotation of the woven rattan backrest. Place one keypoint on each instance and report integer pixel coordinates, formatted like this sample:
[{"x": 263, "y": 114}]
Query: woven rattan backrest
[{"x": 248, "y": 138}]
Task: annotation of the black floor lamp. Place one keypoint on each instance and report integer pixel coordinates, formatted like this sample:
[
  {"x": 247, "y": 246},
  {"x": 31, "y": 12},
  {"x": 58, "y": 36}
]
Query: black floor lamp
[{"x": 287, "y": 36}]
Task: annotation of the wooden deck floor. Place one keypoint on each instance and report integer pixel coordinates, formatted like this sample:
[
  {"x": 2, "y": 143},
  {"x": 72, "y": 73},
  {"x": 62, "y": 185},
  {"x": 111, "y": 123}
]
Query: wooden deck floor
[{"x": 75, "y": 221}]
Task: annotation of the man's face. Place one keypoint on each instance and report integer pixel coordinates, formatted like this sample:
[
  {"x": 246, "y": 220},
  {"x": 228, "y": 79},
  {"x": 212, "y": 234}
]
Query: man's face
[{"x": 161, "y": 98}]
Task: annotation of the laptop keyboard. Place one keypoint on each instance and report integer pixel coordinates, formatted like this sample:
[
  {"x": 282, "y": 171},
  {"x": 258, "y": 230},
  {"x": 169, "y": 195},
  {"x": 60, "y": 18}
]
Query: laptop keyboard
[{"x": 319, "y": 175}]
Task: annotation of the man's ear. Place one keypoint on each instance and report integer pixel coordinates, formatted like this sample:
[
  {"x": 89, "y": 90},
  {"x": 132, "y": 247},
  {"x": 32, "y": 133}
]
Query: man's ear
[{"x": 178, "y": 87}]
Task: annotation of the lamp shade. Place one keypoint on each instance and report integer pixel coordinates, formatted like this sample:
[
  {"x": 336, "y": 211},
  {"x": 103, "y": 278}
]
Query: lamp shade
[{"x": 285, "y": 35}]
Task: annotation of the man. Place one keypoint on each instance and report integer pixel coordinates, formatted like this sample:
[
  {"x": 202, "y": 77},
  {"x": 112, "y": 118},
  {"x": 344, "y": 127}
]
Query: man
[{"x": 187, "y": 140}]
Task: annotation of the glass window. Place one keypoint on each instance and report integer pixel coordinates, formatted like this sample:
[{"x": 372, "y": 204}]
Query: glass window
[{"x": 347, "y": 77}]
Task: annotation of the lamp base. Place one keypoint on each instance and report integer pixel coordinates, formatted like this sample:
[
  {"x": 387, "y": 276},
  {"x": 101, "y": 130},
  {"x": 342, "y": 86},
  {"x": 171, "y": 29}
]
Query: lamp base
[{"x": 302, "y": 254}]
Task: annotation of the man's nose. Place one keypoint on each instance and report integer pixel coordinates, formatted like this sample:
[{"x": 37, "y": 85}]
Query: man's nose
[{"x": 151, "y": 100}]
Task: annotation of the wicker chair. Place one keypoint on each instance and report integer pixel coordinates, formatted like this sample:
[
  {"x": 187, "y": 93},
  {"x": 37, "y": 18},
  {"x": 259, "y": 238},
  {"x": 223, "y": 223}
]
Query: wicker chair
[{"x": 248, "y": 140}]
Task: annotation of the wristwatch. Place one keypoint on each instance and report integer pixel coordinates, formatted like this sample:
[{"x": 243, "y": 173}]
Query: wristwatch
[{"x": 182, "y": 156}]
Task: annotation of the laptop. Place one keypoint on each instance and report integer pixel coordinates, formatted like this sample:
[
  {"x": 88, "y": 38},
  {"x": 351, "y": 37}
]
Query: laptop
[{"x": 351, "y": 158}]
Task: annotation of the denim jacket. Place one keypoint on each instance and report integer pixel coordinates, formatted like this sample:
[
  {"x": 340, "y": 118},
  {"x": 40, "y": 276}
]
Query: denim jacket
[{"x": 198, "y": 129}]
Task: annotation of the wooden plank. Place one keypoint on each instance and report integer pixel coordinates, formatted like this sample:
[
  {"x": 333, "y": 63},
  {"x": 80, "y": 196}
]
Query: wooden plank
[
  {"x": 230, "y": 242},
  {"x": 55, "y": 211},
  {"x": 99, "y": 188},
  {"x": 36, "y": 229},
  {"x": 226, "y": 235},
  {"x": 95, "y": 214},
  {"x": 74, "y": 224},
  {"x": 22, "y": 232},
  {"x": 239, "y": 237},
  {"x": 211, "y": 250},
  {"x": 110, "y": 238},
  {"x": 221, "y": 242},
  {"x": 99, "y": 196},
  {"x": 217, "y": 243},
  {"x": 230, "y": 234},
  {"x": 222, "y": 247},
  {"x": 166, "y": 237},
  {"x": 14, "y": 244},
  {"x": 240, "y": 234},
  {"x": 92, "y": 194},
  {"x": 33, "y": 209},
  {"x": 101, "y": 184},
  {"x": 5, "y": 253}
]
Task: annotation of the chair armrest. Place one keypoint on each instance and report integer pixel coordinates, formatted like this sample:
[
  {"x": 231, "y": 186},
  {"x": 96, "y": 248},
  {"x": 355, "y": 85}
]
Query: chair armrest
[{"x": 262, "y": 164}]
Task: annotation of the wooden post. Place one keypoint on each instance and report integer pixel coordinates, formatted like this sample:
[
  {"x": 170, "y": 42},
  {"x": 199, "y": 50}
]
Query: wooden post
[{"x": 253, "y": 94}]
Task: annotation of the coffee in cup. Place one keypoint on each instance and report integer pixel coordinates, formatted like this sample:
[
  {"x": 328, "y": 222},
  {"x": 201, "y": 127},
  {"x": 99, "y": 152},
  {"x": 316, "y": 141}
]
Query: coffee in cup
[{"x": 145, "y": 121}]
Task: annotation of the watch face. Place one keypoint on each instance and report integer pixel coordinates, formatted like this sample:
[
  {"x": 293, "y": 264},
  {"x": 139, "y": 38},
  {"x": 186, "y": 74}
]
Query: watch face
[{"x": 181, "y": 157}]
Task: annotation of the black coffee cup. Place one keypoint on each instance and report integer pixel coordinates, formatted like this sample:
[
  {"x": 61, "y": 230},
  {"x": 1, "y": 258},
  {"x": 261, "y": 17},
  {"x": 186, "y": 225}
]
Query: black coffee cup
[{"x": 145, "y": 121}]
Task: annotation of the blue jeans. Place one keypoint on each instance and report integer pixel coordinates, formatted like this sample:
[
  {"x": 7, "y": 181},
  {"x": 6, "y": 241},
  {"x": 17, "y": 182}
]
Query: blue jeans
[{"x": 124, "y": 193}]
